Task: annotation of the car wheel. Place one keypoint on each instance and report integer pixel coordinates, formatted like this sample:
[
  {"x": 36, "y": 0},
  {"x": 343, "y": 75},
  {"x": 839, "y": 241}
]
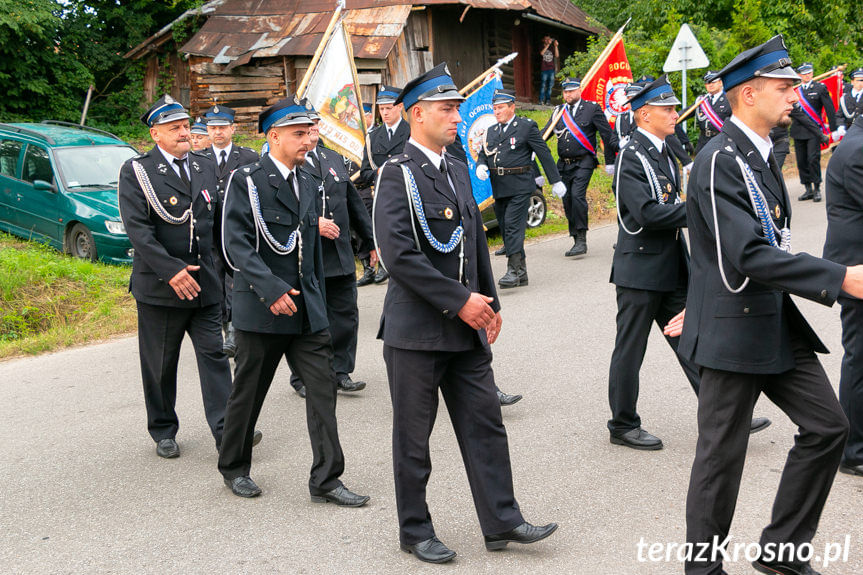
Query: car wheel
[
  {"x": 80, "y": 243},
  {"x": 536, "y": 211}
]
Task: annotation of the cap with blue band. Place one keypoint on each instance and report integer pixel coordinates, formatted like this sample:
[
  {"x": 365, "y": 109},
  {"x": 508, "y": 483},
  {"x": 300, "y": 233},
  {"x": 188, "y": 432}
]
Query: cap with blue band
[
  {"x": 199, "y": 128},
  {"x": 286, "y": 112},
  {"x": 164, "y": 110},
  {"x": 656, "y": 93},
  {"x": 434, "y": 85},
  {"x": 387, "y": 94},
  {"x": 502, "y": 96},
  {"x": 769, "y": 60},
  {"x": 571, "y": 83},
  {"x": 219, "y": 116}
]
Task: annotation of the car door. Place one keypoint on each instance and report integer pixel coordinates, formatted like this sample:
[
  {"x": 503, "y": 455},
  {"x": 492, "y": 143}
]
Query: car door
[
  {"x": 38, "y": 207},
  {"x": 10, "y": 183}
]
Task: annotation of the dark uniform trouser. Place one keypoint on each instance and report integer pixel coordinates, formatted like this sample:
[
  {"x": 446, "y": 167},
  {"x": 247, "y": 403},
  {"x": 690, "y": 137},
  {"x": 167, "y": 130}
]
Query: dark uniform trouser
[
  {"x": 725, "y": 404},
  {"x": 258, "y": 356},
  {"x": 368, "y": 202},
  {"x": 808, "y": 154},
  {"x": 636, "y": 311},
  {"x": 851, "y": 381},
  {"x": 227, "y": 286},
  {"x": 160, "y": 334},
  {"x": 344, "y": 318},
  {"x": 576, "y": 177},
  {"x": 780, "y": 150},
  {"x": 467, "y": 383},
  {"x": 511, "y": 214}
]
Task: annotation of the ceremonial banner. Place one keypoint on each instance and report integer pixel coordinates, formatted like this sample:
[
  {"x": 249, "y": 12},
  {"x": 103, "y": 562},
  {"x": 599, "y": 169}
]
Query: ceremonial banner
[
  {"x": 606, "y": 86},
  {"x": 835, "y": 87},
  {"x": 333, "y": 89},
  {"x": 476, "y": 117}
]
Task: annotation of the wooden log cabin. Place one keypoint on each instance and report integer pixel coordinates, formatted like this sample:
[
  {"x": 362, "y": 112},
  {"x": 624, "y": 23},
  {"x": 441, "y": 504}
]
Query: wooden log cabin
[{"x": 248, "y": 53}]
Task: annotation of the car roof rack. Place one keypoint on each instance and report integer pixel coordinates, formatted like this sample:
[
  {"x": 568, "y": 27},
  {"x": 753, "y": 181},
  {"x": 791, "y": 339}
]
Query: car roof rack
[
  {"x": 32, "y": 133},
  {"x": 80, "y": 127}
]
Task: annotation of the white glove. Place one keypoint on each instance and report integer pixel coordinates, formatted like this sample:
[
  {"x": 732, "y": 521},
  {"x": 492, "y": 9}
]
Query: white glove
[
  {"x": 482, "y": 172},
  {"x": 837, "y": 135},
  {"x": 558, "y": 189},
  {"x": 841, "y": 131},
  {"x": 540, "y": 181},
  {"x": 688, "y": 167},
  {"x": 609, "y": 169}
]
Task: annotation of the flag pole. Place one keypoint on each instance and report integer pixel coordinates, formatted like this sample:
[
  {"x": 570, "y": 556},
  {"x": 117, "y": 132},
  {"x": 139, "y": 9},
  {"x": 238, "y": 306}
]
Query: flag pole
[
  {"x": 505, "y": 60},
  {"x": 690, "y": 109},
  {"x": 320, "y": 49},
  {"x": 591, "y": 72},
  {"x": 827, "y": 74}
]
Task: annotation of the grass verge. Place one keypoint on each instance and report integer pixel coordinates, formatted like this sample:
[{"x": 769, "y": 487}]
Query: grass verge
[{"x": 50, "y": 301}]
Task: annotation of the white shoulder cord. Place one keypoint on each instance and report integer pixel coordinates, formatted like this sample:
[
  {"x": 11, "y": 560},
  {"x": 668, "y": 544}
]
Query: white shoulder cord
[
  {"x": 716, "y": 230},
  {"x": 224, "y": 212},
  {"x": 153, "y": 203},
  {"x": 375, "y": 227},
  {"x": 652, "y": 180}
]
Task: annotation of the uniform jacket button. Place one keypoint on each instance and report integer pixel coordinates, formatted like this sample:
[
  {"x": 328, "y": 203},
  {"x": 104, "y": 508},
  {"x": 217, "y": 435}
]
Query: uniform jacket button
[
  {"x": 746, "y": 310},
  {"x": 641, "y": 248},
  {"x": 823, "y": 294},
  {"x": 251, "y": 286},
  {"x": 263, "y": 300},
  {"x": 446, "y": 311}
]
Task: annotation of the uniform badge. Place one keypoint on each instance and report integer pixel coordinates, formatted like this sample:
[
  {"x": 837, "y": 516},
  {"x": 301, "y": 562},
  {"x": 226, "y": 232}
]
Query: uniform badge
[
  {"x": 173, "y": 200},
  {"x": 246, "y": 170},
  {"x": 664, "y": 198},
  {"x": 296, "y": 100},
  {"x": 333, "y": 174},
  {"x": 512, "y": 143},
  {"x": 163, "y": 169},
  {"x": 446, "y": 70},
  {"x": 196, "y": 166},
  {"x": 216, "y": 109},
  {"x": 447, "y": 213},
  {"x": 206, "y": 195},
  {"x": 777, "y": 212},
  {"x": 669, "y": 188},
  {"x": 169, "y": 100},
  {"x": 729, "y": 149}
]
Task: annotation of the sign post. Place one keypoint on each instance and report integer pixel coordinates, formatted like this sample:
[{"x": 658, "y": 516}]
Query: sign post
[{"x": 685, "y": 54}]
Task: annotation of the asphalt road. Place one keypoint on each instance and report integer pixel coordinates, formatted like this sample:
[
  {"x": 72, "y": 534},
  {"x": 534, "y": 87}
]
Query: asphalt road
[{"x": 86, "y": 493}]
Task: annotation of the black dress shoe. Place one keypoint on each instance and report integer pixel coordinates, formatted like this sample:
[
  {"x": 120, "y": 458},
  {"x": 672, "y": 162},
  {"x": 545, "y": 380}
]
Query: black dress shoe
[
  {"x": 851, "y": 469},
  {"x": 167, "y": 448},
  {"x": 507, "y": 399},
  {"x": 784, "y": 568},
  {"x": 500, "y": 251},
  {"x": 257, "y": 436},
  {"x": 431, "y": 551},
  {"x": 301, "y": 391},
  {"x": 243, "y": 486},
  {"x": 348, "y": 385},
  {"x": 816, "y": 194},
  {"x": 637, "y": 439},
  {"x": 759, "y": 424},
  {"x": 342, "y": 496},
  {"x": 524, "y": 533},
  {"x": 382, "y": 275}
]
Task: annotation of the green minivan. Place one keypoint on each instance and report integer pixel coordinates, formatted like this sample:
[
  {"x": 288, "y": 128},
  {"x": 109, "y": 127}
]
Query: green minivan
[{"x": 58, "y": 185}]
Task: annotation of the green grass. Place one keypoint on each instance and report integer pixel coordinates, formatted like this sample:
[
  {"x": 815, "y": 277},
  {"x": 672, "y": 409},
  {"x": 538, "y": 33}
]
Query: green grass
[{"x": 50, "y": 301}]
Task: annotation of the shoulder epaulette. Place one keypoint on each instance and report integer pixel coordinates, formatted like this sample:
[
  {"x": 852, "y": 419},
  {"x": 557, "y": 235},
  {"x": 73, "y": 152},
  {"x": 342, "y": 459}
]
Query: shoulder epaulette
[{"x": 251, "y": 168}]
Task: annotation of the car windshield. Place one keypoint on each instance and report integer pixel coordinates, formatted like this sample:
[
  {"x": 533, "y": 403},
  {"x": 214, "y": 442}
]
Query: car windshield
[{"x": 92, "y": 166}]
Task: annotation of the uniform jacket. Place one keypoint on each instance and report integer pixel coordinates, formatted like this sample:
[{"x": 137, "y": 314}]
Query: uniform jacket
[
  {"x": 748, "y": 332},
  {"x": 239, "y": 156},
  {"x": 383, "y": 148},
  {"x": 263, "y": 276},
  {"x": 819, "y": 98},
  {"x": 513, "y": 148},
  {"x": 656, "y": 257},
  {"x": 424, "y": 294},
  {"x": 337, "y": 199},
  {"x": 848, "y": 108},
  {"x": 162, "y": 248},
  {"x": 722, "y": 108},
  {"x": 678, "y": 143},
  {"x": 591, "y": 120},
  {"x": 844, "y": 243}
]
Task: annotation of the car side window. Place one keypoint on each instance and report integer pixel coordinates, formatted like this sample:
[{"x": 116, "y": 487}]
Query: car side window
[
  {"x": 10, "y": 151},
  {"x": 37, "y": 165}
]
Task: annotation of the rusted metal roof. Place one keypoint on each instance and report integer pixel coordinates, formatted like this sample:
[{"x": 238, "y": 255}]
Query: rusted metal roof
[{"x": 239, "y": 30}]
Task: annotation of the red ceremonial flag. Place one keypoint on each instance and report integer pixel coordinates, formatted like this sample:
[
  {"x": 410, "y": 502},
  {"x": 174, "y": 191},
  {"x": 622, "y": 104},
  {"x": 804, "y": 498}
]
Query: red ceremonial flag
[
  {"x": 606, "y": 86},
  {"x": 834, "y": 86}
]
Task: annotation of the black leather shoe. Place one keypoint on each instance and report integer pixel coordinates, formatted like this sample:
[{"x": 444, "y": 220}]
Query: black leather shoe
[
  {"x": 579, "y": 246},
  {"x": 501, "y": 251},
  {"x": 382, "y": 275},
  {"x": 816, "y": 194},
  {"x": 368, "y": 276},
  {"x": 851, "y": 469},
  {"x": 637, "y": 439},
  {"x": 243, "y": 486},
  {"x": 168, "y": 449},
  {"x": 301, "y": 391},
  {"x": 431, "y": 551},
  {"x": 807, "y": 195},
  {"x": 341, "y": 496},
  {"x": 759, "y": 424},
  {"x": 783, "y": 568},
  {"x": 507, "y": 399},
  {"x": 257, "y": 437},
  {"x": 524, "y": 533},
  {"x": 348, "y": 385}
]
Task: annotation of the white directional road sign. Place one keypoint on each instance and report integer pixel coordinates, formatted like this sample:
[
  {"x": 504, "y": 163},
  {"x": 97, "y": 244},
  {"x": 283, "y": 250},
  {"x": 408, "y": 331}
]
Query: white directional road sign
[{"x": 686, "y": 53}]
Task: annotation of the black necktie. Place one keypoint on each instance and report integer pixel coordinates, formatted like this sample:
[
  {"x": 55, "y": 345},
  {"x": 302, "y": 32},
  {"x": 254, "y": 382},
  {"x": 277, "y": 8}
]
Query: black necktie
[
  {"x": 181, "y": 165},
  {"x": 290, "y": 181},
  {"x": 223, "y": 159},
  {"x": 443, "y": 167},
  {"x": 664, "y": 155},
  {"x": 389, "y": 133},
  {"x": 774, "y": 167}
]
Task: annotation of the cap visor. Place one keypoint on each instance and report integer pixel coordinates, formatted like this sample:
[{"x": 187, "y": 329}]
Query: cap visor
[
  {"x": 218, "y": 123},
  {"x": 172, "y": 118},
  {"x": 386, "y": 100},
  {"x": 668, "y": 100},
  {"x": 786, "y": 72},
  {"x": 297, "y": 120},
  {"x": 448, "y": 95}
]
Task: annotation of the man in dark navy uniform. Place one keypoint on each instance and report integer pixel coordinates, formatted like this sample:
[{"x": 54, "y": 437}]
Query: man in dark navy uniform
[
  {"x": 228, "y": 157},
  {"x": 743, "y": 329},
  {"x": 506, "y": 154},
  {"x": 844, "y": 245},
  {"x": 382, "y": 143},
  {"x": 273, "y": 244},
  {"x": 441, "y": 313},
  {"x": 340, "y": 209},
  {"x": 650, "y": 268},
  {"x": 814, "y": 98},
  {"x": 712, "y": 110},
  {"x": 576, "y": 148},
  {"x": 851, "y": 101},
  {"x": 170, "y": 208}
]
